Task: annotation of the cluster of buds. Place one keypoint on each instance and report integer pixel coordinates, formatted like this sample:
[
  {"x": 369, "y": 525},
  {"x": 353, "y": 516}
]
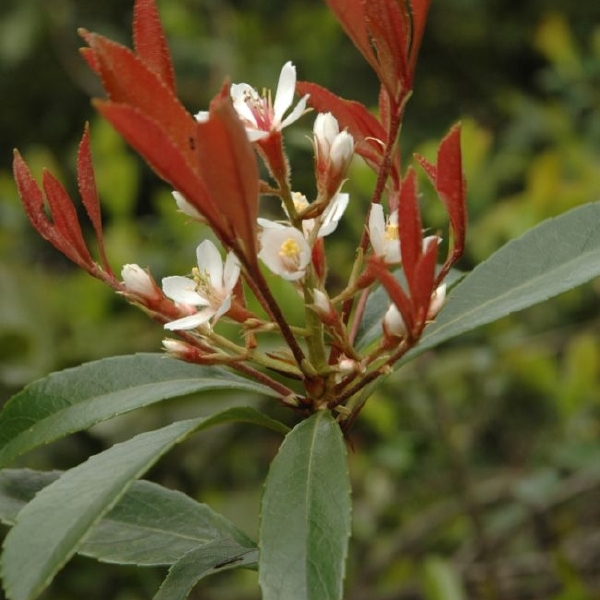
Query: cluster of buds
[{"x": 211, "y": 161}]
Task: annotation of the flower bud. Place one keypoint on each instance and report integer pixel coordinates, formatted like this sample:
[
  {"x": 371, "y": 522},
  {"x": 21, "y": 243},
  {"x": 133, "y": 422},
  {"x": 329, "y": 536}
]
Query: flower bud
[
  {"x": 333, "y": 152},
  {"x": 393, "y": 323},
  {"x": 139, "y": 283},
  {"x": 437, "y": 301}
]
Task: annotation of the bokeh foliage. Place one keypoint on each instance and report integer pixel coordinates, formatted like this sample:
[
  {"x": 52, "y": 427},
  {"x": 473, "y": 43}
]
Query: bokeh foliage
[{"x": 476, "y": 463}]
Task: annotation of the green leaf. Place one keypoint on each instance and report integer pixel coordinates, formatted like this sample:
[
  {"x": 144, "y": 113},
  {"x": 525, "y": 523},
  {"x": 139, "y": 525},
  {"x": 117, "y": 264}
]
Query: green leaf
[
  {"x": 75, "y": 399},
  {"x": 557, "y": 255},
  {"x": 305, "y": 516},
  {"x": 207, "y": 559},
  {"x": 150, "y": 525},
  {"x": 62, "y": 514}
]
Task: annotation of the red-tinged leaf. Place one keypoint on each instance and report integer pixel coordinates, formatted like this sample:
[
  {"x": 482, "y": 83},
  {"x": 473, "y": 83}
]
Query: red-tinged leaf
[
  {"x": 351, "y": 16},
  {"x": 368, "y": 133},
  {"x": 394, "y": 290},
  {"x": 150, "y": 43},
  {"x": 424, "y": 284},
  {"x": 89, "y": 193},
  {"x": 90, "y": 58},
  {"x": 410, "y": 229},
  {"x": 450, "y": 184},
  {"x": 428, "y": 167},
  {"x": 419, "y": 10},
  {"x": 32, "y": 197},
  {"x": 389, "y": 29},
  {"x": 154, "y": 144},
  {"x": 65, "y": 217},
  {"x": 230, "y": 170},
  {"x": 128, "y": 80}
]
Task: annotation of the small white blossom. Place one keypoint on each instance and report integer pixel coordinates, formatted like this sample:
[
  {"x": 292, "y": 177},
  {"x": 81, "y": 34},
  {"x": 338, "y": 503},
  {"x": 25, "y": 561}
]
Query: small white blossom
[
  {"x": 137, "y": 281},
  {"x": 285, "y": 251},
  {"x": 210, "y": 288},
  {"x": 331, "y": 144},
  {"x": 384, "y": 234},
  {"x": 261, "y": 115}
]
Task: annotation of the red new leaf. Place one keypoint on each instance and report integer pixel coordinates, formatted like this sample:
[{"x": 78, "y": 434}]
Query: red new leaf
[
  {"x": 419, "y": 10},
  {"x": 449, "y": 182},
  {"x": 351, "y": 15},
  {"x": 128, "y": 80},
  {"x": 64, "y": 216},
  {"x": 89, "y": 193},
  {"x": 154, "y": 144},
  {"x": 409, "y": 227},
  {"x": 150, "y": 42},
  {"x": 229, "y": 168}
]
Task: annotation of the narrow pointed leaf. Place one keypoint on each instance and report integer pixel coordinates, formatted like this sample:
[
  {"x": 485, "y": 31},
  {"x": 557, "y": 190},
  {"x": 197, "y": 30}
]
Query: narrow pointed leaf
[
  {"x": 150, "y": 42},
  {"x": 556, "y": 256},
  {"x": 63, "y": 513},
  {"x": 151, "y": 525},
  {"x": 88, "y": 191},
  {"x": 205, "y": 560},
  {"x": 230, "y": 169},
  {"x": 128, "y": 80},
  {"x": 75, "y": 399},
  {"x": 305, "y": 515}
]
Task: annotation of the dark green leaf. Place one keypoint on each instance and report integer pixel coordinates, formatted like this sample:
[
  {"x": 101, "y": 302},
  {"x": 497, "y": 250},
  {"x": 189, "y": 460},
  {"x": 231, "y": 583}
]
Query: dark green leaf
[
  {"x": 75, "y": 399},
  {"x": 557, "y": 255},
  {"x": 202, "y": 561},
  {"x": 150, "y": 525},
  {"x": 62, "y": 514},
  {"x": 305, "y": 516}
]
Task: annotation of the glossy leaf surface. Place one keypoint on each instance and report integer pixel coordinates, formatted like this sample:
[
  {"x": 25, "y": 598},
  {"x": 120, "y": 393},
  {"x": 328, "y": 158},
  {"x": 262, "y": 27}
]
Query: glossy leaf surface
[
  {"x": 305, "y": 518},
  {"x": 75, "y": 399},
  {"x": 151, "y": 525}
]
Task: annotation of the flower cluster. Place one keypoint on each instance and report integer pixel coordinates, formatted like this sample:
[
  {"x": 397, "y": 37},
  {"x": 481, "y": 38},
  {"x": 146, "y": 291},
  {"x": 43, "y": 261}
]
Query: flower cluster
[{"x": 211, "y": 161}]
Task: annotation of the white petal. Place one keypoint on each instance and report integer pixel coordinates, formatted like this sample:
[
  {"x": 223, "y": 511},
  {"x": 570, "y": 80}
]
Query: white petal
[
  {"x": 268, "y": 224},
  {"x": 209, "y": 260},
  {"x": 193, "y": 321},
  {"x": 225, "y": 306},
  {"x": 333, "y": 213},
  {"x": 240, "y": 94},
  {"x": 286, "y": 87},
  {"x": 182, "y": 290},
  {"x": 231, "y": 272},
  {"x": 377, "y": 229},
  {"x": 298, "y": 111},
  {"x": 393, "y": 323},
  {"x": 256, "y": 134}
]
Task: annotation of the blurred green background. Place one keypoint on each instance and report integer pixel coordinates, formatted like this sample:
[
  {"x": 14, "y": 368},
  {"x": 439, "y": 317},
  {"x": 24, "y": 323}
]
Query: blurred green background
[{"x": 476, "y": 469}]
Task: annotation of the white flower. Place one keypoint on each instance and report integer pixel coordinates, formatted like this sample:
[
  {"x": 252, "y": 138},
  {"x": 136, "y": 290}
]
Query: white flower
[
  {"x": 332, "y": 145},
  {"x": 259, "y": 114},
  {"x": 384, "y": 234},
  {"x": 211, "y": 287},
  {"x": 285, "y": 251}
]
